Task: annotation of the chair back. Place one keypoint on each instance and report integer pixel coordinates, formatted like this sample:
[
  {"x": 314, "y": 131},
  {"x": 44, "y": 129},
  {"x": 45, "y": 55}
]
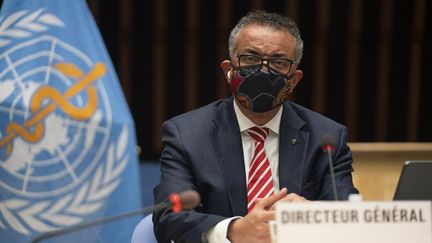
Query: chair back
[{"x": 143, "y": 232}]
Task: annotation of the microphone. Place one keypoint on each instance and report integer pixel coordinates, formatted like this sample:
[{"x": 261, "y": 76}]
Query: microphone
[
  {"x": 188, "y": 199},
  {"x": 185, "y": 200},
  {"x": 327, "y": 145}
]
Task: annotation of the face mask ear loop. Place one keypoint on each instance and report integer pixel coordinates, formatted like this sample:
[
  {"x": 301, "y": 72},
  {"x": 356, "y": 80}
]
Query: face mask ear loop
[
  {"x": 289, "y": 86},
  {"x": 289, "y": 77}
]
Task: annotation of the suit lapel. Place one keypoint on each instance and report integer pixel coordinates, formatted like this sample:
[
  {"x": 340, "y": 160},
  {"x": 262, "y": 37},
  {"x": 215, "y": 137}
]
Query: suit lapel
[
  {"x": 227, "y": 143},
  {"x": 226, "y": 138},
  {"x": 292, "y": 150}
]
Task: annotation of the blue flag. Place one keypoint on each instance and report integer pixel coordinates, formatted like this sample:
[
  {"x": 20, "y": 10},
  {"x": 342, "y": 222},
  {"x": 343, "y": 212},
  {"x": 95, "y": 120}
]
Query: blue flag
[{"x": 67, "y": 139}]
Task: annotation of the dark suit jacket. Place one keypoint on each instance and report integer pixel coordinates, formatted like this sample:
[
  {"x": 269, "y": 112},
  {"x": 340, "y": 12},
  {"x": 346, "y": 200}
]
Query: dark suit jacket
[{"x": 203, "y": 151}]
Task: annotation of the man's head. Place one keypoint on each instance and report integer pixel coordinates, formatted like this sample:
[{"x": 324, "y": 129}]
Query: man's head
[
  {"x": 271, "y": 20},
  {"x": 265, "y": 50}
]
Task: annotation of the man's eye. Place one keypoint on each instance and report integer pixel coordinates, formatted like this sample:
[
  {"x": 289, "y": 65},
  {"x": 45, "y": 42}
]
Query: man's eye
[
  {"x": 280, "y": 63},
  {"x": 251, "y": 59}
]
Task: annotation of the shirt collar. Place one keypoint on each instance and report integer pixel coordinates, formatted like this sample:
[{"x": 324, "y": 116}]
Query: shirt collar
[{"x": 245, "y": 123}]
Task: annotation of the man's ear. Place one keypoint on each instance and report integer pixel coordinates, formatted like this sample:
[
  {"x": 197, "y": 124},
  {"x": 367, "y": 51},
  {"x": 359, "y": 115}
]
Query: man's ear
[
  {"x": 226, "y": 68},
  {"x": 292, "y": 82}
]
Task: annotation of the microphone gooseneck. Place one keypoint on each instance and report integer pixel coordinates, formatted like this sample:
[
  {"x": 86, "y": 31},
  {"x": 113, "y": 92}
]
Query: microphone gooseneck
[
  {"x": 177, "y": 202},
  {"x": 327, "y": 145}
]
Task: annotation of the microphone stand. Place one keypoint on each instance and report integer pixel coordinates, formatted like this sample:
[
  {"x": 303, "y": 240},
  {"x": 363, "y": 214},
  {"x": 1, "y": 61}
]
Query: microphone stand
[
  {"x": 327, "y": 145},
  {"x": 332, "y": 175},
  {"x": 104, "y": 220}
]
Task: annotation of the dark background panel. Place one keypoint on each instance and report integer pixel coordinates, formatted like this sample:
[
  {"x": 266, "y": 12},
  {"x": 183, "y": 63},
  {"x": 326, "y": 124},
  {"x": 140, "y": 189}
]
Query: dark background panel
[
  {"x": 399, "y": 67},
  {"x": 303, "y": 92},
  {"x": 367, "y": 93},
  {"x": 142, "y": 75},
  {"x": 208, "y": 65},
  {"x": 336, "y": 62},
  {"x": 425, "y": 115},
  {"x": 150, "y": 43}
]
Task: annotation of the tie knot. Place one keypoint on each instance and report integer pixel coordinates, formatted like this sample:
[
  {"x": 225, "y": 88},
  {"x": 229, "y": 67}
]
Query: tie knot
[{"x": 259, "y": 134}]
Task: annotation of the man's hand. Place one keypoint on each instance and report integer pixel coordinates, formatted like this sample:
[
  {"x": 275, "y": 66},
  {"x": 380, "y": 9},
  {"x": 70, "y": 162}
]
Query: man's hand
[
  {"x": 254, "y": 226},
  {"x": 292, "y": 197}
]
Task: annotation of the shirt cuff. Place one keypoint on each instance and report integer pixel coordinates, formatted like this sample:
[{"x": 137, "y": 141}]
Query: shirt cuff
[{"x": 218, "y": 233}]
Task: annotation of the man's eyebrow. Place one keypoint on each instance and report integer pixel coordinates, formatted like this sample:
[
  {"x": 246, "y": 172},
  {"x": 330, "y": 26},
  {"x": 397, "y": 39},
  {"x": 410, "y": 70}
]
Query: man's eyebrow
[
  {"x": 251, "y": 51},
  {"x": 280, "y": 55}
]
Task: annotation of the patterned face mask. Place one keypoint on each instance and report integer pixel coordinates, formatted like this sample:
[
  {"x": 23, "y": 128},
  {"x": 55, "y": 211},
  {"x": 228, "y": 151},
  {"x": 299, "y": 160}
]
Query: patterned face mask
[{"x": 259, "y": 91}]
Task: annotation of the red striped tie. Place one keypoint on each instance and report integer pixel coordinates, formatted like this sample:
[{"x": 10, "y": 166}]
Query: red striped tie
[{"x": 260, "y": 181}]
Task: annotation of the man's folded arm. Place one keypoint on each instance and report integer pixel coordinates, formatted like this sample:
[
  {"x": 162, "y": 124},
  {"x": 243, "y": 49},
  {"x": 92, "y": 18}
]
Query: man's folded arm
[{"x": 176, "y": 176}]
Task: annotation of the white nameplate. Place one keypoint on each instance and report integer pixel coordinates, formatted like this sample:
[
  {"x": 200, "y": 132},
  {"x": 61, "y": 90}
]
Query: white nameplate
[{"x": 354, "y": 222}]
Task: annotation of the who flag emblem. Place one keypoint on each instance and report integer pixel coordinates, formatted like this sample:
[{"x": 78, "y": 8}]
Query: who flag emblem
[{"x": 67, "y": 139}]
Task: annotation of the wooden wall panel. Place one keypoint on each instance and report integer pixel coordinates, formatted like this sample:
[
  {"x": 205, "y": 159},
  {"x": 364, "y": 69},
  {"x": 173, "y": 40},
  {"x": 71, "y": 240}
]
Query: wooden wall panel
[
  {"x": 191, "y": 58},
  {"x": 292, "y": 9},
  {"x": 224, "y": 28},
  {"x": 418, "y": 29},
  {"x": 320, "y": 55},
  {"x": 383, "y": 69},
  {"x": 125, "y": 48},
  {"x": 257, "y": 4},
  {"x": 353, "y": 66},
  {"x": 159, "y": 57}
]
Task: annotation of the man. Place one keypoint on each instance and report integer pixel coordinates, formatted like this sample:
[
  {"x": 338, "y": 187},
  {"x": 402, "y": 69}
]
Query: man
[{"x": 246, "y": 153}]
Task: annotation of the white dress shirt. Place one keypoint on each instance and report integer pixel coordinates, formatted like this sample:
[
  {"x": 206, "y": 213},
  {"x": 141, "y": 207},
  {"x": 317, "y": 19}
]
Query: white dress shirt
[{"x": 218, "y": 233}]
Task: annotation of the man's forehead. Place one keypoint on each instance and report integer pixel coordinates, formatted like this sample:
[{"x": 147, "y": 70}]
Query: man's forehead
[
  {"x": 256, "y": 28},
  {"x": 265, "y": 39}
]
